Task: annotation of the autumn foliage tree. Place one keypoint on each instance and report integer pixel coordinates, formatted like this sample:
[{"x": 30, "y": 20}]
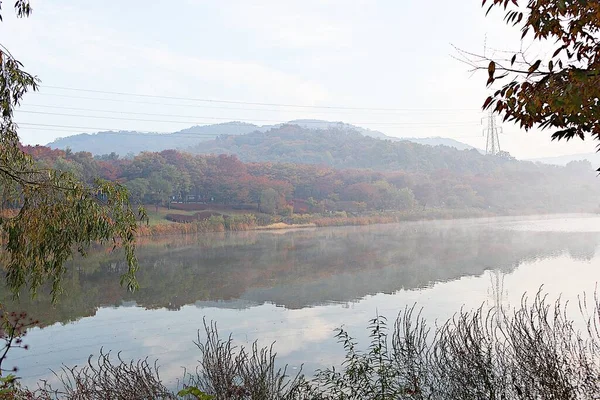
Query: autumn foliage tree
[{"x": 560, "y": 92}]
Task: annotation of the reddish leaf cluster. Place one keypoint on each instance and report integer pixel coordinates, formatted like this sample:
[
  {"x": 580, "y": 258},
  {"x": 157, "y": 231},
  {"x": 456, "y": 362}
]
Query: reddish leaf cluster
[{"x": 561, "y": 92}]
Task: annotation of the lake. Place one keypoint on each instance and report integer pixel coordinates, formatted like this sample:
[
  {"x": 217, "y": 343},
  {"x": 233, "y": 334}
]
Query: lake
[{"x": 295, "y": 287}]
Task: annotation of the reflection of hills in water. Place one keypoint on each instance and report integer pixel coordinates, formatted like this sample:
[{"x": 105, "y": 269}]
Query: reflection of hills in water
[{"x": 302, "y": 268}]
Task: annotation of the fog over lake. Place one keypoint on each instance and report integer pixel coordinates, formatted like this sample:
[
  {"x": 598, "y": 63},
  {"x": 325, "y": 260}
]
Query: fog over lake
[{"x": 295, "y": 287}]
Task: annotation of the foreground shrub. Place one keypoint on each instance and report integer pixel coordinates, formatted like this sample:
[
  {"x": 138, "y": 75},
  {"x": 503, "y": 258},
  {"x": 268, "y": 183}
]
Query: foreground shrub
[
  {"x": 228, "y": 373},
  {"x": 107, "y": 379},
  {"x": 533, "y": 352}
]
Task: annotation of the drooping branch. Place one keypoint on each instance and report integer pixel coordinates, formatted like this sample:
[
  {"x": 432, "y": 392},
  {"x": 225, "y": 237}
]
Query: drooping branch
[{"x": 57, "y": 212}]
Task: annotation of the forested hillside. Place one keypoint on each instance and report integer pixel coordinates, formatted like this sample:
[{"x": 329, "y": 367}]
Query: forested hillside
[
  {"x": 440, "y": 141},
  {"x": 416, "y": 176},
  {"x": 343, "y": 148},
  {"x": 133, "y": 142}
]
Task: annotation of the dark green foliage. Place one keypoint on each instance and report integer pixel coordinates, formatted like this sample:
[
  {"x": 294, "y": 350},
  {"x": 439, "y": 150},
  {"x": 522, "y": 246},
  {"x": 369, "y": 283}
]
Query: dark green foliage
[{"x": 268, "y": 202}]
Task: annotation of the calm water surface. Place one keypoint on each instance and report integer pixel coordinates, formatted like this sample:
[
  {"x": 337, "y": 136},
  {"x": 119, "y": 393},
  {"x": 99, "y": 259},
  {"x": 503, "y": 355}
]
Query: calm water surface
[{"x": 296, "y": 287}]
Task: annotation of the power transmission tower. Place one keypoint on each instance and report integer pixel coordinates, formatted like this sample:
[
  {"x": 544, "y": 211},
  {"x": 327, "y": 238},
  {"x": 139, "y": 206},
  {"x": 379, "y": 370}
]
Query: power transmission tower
[
  {"x": 492, "y": 132},
  {"x": 498, "y": 292},
  {"x": 492, "y": 142}
]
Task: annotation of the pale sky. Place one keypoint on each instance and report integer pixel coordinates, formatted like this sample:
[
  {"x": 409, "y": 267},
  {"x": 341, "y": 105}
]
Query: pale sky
[{"x": 323, "y": 53}]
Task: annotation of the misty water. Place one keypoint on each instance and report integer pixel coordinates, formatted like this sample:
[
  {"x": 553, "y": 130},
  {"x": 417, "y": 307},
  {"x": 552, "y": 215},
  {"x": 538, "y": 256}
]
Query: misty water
[{"x": 295, "y": 287}]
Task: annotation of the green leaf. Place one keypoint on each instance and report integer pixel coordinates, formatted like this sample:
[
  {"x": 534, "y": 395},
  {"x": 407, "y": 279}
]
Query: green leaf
[{"x": 194, "y": 391}]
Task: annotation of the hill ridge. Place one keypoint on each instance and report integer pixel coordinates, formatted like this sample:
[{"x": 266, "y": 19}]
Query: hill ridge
[{"x": 134, "y": 142}]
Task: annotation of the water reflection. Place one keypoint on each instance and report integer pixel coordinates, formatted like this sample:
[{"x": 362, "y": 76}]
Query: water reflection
[
  {"x": 303, "y": 268},
  {"x": 295, "y": 287}
]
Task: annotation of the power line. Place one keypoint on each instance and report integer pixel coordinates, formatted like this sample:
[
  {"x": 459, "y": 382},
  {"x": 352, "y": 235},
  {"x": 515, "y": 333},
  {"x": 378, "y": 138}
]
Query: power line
[
  {"x": 231, "y": 101},
  {"x": 71, "y": 126},
  {"x": 116, "y": 118},
  {"x": 425, "y": 124},
  {"x": 114, "y": 130},
  {"x": 416, "y": 110},
  {"x": 134, "y": 113},
  {"x": 276, "y": 121},
  {"x": 172, "y": 118},
  {"x": 160, "y": 104},
  {"x": 65, "y": 130}
]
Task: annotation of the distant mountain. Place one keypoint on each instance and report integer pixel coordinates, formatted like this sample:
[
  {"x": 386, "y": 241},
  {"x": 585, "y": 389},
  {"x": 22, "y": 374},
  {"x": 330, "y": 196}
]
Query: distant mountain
[
  {"x": 594, "y": 158},
  {"x": 124, "y": 142},
  {"x": 440, "y": 141},
  {"x": 340, "y": 147},
  {"x": 319, "y": 124},
  {"x": 212, "y": 131},
  {"x": 429, "y": 141},
  {"x": 121, "y": 142}
]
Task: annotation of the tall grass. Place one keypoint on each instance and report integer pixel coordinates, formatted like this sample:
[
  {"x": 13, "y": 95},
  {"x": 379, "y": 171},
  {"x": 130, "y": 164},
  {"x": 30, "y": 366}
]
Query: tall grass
[
  {"x": 244, "y": 222},
  {"x": 215, "y": 223},
  {"x": 105, "y": 378},
  {"x": 533, "y": 352},
  {"x": 227, "y": 372}
]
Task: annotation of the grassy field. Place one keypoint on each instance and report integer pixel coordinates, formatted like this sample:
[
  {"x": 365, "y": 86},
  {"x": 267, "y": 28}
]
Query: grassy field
[{"x": 158, "y": 216}]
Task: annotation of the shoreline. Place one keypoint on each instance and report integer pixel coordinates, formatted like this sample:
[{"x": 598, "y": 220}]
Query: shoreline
[{"x": 207, "y": 226}]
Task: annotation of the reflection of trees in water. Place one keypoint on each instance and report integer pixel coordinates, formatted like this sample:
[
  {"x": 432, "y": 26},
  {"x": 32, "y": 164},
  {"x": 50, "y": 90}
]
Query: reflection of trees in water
[
  {"x": 583, "y": 249},
  {"x": 301, "y": 268}
]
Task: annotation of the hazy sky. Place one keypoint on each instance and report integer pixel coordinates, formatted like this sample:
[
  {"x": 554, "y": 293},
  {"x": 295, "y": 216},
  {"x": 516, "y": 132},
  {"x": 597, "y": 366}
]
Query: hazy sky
[{"x": 321, "y": 53}]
